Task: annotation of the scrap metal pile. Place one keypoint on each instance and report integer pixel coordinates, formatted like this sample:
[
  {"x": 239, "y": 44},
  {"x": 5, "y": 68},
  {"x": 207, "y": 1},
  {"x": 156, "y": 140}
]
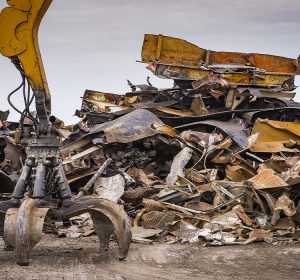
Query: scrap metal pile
[{"x": 215, "y": 158}]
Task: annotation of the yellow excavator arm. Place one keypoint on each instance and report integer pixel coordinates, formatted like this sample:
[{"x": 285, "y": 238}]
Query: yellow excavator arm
[
  {"x": 42, "y": 177},
  {"x": 19, "y": 24}
]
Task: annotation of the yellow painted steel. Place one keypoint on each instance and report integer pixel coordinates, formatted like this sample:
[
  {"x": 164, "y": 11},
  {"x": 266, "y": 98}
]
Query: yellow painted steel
[
  {"x": 179, "y": 52},
  {"x": 271, "y": 131},
  {"x": 271, "y": 147},
  {"x": 19, "y": 24},
  {"x": 275, "y": 136}
]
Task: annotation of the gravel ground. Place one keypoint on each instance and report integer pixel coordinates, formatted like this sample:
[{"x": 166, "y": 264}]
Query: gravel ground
[{"x": 66, "y": 258}]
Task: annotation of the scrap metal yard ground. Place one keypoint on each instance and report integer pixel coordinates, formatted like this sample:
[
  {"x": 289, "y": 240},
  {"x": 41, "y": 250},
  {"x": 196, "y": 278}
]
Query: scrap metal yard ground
[{"x": 67, "y": 258}]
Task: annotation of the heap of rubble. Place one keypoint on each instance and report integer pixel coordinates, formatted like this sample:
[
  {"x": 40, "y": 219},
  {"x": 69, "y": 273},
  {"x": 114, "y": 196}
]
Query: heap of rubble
[{"x": 214, "y": 159}]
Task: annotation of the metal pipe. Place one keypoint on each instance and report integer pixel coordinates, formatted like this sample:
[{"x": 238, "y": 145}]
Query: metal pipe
[
  {"x": 20, "y": 186},
  {"x": 90, "y": 183},
  {"x": 63, "y": 186},
  {"x": 39, "y": 183}
]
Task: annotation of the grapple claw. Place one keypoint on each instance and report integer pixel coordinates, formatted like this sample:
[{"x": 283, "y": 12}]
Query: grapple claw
[
  {"x": 108, "y": 217},
  {"x": 23, "y": 228},
  {"x": 104, "y": 229},
  {"x": 4, "y": 206}
]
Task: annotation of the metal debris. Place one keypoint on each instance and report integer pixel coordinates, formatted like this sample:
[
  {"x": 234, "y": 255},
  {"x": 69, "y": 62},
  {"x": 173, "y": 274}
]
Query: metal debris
[{"x": 214, "y": 159}]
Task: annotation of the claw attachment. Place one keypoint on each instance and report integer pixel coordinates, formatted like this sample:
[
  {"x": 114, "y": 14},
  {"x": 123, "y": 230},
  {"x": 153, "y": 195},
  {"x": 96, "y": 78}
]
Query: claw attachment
[
  {"x": 23, "y": 228},
  {"x": 108, "y": 217},
  {"x": 19, "y": 24}
]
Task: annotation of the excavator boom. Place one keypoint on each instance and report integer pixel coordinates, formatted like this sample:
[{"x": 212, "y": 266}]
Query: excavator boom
[
  {"x": 19, "y": 25},
  {"x": 42, "y": 176}
]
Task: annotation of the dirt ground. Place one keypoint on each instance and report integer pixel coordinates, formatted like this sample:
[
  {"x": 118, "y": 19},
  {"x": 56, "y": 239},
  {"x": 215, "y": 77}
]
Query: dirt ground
[{"x": 79, "y": 258}]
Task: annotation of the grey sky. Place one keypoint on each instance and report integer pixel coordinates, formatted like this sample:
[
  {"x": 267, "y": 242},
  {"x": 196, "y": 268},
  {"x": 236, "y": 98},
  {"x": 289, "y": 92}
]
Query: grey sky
[{"x": 93, "y": 44}]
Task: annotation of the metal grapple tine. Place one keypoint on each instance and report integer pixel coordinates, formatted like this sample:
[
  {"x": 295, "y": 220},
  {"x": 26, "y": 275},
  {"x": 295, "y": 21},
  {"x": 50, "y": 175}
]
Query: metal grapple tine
[
  {"x": 108, "y": 217},
  {"x": 23, "y": 228}
]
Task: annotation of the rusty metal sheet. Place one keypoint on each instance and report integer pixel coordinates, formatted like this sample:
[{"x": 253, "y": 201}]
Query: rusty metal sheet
[
  {"x": 157, "y": 219},
  {"x": 131, "y": 127},
  {"x": 97, "y": 101},
  {"x": 280, "y": 164},
  {"x": 170, "y": 111},
  {"x": 152, "y": 105},
  {"x": 13, "y": 156},
  {"x": 201, "y": 138},
  {"x": 175, "y": 72},
  {"x": 234, "y": 128},
  {"x": 271, "y": 93},
  {"x": 238, "y": 173},
  {"x": 179, "y": 52},
  {"x": 85, "y": 153},
  {"x": 74, "y": 178},
  {"x": 212, "y": 83},
  {"x": 110, "y": 188},
  {"x": 102, "y": 96},
  {"x": 267, "y": 179},
  {"x": 283, "y": 204}
]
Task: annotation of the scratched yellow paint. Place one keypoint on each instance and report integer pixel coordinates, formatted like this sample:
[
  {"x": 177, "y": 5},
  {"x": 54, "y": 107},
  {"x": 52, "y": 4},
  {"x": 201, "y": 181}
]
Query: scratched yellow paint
[
  {"x": 19, "y": 26},
  {"x": 274, "y": 136}
]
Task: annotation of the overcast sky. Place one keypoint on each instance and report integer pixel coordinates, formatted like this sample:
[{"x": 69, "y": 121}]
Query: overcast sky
[{"x": 93, "y": 44}]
